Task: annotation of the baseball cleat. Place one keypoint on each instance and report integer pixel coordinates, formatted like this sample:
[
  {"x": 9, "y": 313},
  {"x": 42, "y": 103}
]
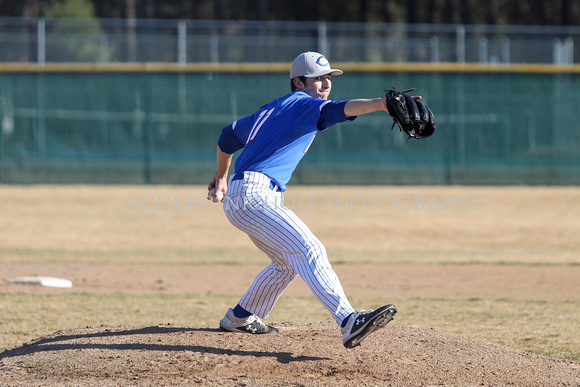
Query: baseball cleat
[
  {"x": 251, "y": 324},
  {"x": 363, "y": 323}
]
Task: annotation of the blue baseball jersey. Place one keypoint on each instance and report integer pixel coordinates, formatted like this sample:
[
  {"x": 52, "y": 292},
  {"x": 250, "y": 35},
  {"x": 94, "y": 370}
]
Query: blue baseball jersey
[{"x": 278, "y": 135}]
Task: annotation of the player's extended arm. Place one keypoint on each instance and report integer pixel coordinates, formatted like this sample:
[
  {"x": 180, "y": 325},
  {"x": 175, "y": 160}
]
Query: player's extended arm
[{"x": 358, "y": 107}]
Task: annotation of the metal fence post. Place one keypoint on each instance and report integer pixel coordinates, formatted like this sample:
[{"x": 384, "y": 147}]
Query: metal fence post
[
  {"x": 182, "y": 42},
  {"x": 104, "y": 44},
  {"x": 434, "y": 49},
  {"x": 323, "y": 39},
  {"x": 563, "y": 51},
  {"x": 214, "y": 48},
  {"x": 41, "y": 42},
  {"x": 460, "y": 44},
  {"x": 483, "y": 52},
  {"x": 505, "y": 50},
  {"x": 132, "y": 40},
  {"x": 569, "y": 44},
  {"x": 557, "y": 51}
]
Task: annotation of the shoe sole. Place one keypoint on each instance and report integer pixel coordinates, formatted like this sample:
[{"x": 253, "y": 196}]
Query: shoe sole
[
  {"x": 380, "y": 321},
  {"x": 271, "y": 329}
]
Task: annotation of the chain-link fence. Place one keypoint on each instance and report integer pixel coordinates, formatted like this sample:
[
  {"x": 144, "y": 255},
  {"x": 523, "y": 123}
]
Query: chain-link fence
[
  {"x": 91, "y": 127},
  {"x": 192, "y": 41},
  {"x": 66, "y": 124}
]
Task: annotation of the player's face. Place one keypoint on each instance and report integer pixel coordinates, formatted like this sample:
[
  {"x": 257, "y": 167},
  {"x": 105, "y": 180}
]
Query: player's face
[{"x": 318, "y": 87}]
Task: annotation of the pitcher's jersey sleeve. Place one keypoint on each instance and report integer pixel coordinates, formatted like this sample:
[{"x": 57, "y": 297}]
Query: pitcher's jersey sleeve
[{"x": 229, "y": 142}]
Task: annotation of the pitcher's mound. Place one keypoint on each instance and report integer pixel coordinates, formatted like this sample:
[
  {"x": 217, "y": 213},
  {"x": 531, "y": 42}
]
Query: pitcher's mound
[{"x": 302, "y": 355}]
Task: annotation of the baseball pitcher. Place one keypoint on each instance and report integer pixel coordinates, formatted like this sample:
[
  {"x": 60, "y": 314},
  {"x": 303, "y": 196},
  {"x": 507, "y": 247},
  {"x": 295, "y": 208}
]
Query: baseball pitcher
[{"x": 273, "y": 140}]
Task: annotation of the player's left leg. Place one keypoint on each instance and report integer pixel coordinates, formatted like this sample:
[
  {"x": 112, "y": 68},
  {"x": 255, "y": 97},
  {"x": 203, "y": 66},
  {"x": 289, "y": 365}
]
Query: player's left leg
[
  {"x": 261, "y": 296},
  {"x": 266, "y": 289}
]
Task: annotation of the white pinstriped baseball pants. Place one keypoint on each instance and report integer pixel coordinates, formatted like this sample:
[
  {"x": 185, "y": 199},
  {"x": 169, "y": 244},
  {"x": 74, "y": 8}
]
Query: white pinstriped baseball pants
[{"x": 253, "y": 207}]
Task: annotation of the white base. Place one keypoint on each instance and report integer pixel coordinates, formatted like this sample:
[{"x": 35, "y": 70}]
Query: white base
[{"x": 43, "y": 281}]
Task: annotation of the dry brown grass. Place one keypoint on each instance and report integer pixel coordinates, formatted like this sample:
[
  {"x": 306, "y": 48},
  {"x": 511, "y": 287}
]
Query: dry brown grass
[{"x": 174, "y": 225}]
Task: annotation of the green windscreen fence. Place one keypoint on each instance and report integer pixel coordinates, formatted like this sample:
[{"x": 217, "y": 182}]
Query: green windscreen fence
[{"x": 162, "y": 128}]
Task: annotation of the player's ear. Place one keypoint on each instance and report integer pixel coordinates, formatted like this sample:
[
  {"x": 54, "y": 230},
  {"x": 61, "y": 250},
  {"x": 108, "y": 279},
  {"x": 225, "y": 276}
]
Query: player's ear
[{"x": 298, "y": 84}]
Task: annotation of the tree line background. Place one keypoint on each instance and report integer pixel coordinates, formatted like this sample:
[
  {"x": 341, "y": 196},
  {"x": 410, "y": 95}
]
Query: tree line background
[{"x": 515, "y": 12}]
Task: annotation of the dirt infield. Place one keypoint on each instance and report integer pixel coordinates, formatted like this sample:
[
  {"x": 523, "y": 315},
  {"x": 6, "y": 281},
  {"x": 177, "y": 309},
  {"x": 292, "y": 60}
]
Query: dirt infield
[
  {"x": 305, "y": 354},
  {"x": 302, "y": 355},
  {"x": 506, "y": 247},
  {"x": 487, "y": 282}
]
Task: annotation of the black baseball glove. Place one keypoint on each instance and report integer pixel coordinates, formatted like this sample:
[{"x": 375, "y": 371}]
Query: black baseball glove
[{"x": 412, "y": 117}]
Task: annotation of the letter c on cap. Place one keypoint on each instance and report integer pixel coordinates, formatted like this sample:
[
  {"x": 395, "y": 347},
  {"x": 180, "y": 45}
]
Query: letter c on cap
[{"x": 322, "y": 61}]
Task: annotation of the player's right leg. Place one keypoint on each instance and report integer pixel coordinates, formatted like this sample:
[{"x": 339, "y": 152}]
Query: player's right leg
[{"x": 361, "y": 324}]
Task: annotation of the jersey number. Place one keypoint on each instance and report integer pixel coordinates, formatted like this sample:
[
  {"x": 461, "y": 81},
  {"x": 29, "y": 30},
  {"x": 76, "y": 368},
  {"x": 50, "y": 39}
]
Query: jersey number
[{"x": 259, "y": 123}]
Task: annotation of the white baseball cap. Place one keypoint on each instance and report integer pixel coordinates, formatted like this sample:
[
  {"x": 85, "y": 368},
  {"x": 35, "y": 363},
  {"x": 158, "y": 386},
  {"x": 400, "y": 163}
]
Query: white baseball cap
[{"x": 311, "y": 64}]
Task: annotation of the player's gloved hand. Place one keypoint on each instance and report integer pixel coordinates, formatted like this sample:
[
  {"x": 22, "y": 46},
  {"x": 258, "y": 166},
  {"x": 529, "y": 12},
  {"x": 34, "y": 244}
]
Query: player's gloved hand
[{"x": 412, "y": 116}]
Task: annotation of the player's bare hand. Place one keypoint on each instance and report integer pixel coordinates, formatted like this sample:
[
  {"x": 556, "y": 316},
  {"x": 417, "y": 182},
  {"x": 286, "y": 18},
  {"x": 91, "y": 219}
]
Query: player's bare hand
[{"x": 217, "y": 189}]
